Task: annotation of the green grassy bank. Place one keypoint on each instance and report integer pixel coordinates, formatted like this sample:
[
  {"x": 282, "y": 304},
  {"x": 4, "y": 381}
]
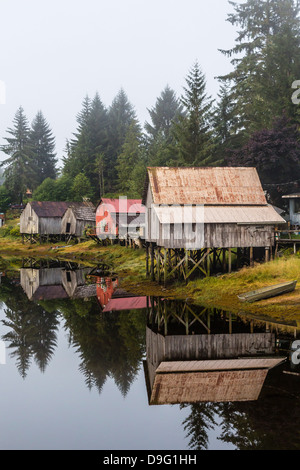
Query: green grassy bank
[{"x": 220, "y": 291}]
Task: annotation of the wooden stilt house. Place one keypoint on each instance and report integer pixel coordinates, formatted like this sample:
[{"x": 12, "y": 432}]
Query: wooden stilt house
[
  {"x": 78, "y": 217},
  {"x": 42, "y": 219},
  {"x": 56, "y": 283},
  {"x": 215, "y": 366},
  {"x": 197, "y": 216},
  {"x": 120, "y": 218}
]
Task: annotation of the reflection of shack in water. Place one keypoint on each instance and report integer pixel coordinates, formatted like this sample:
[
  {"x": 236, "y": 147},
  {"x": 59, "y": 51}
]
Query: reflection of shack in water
[
  {"x": 58, "y": 281},
  {"x": 113, "y": 298},
  {"x": 215, "y": 365}
]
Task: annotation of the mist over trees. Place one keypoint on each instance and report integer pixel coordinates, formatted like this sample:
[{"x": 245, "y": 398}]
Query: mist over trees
[{"x": 251, "y": 122}]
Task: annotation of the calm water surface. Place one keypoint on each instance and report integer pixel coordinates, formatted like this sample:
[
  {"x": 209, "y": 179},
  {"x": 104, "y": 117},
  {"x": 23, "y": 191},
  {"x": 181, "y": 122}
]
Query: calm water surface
[{"x": 79, "y": 359}]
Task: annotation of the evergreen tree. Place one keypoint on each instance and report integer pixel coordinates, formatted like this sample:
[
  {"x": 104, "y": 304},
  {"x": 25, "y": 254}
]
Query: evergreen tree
[
  {"x": 164, "y": 114},
  {"x": 266, "y": 61},
  {"x": 43, "y": 147},
  {"x": 193, "y": 134},
  {"x": 224, "y": 121},
  {"x": 78, "y": 148},
  {"x": 90, "y": 141},
  {"x": 19, "y": 170},
  {"x": 121, "y": 115},
  {"x": 130, "y": 162},
  {"x": 275, "y": 153},
  {"x": 98, "y": 129},
  {"x": 166, "y": 110}
]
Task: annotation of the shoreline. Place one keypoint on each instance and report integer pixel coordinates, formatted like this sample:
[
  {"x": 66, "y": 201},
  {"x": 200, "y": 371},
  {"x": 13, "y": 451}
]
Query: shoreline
[{"x": 129, "y": 265}]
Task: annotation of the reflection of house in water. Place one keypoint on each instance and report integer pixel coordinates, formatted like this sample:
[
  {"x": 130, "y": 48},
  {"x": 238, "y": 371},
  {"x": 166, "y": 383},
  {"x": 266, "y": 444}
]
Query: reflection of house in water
[
  {"x": 227, "y": 360},
  {"x": 112, "y": 298},
  {"x": 63, "y": 281}
]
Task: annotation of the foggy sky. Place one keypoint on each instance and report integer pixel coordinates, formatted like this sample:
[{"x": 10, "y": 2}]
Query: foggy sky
[{"x": 54, "y": 53}]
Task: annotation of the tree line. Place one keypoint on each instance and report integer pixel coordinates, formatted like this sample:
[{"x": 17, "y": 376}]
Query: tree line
[{"x": 252, "y": 122}]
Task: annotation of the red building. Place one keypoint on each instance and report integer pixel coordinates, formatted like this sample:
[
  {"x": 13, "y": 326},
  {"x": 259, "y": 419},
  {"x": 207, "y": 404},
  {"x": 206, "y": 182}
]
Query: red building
[{"x": 120, "y": 218}]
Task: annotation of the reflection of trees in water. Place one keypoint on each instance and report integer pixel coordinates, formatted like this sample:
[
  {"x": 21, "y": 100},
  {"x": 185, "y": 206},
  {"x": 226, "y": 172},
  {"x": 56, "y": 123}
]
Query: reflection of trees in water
[
  {"x": 198, "y": 424},
  {"x": 270, "y": 423},
  {"x": 33, "y": 331},
  {"x": 109, "y": 345}
]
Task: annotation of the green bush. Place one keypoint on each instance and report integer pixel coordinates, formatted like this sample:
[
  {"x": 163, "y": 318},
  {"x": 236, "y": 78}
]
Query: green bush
[{"x": 15, "y": 231}]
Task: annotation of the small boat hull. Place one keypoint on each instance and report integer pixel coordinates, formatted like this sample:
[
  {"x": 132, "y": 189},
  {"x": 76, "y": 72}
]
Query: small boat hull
[{"x": 268, "y": 292}]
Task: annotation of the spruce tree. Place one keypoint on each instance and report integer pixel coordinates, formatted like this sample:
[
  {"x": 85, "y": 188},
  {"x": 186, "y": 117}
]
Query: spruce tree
[
  {"x": 43, "y": 148},
  {"x": 121, "y": 116},
  {"x": 224, "y": 122},
  {"x": 90, "y": 141},
  {"x": 98, "y": 140},
  {"x": 193, "y": 134},
  {"x": 19, "y": 167},
  {"x": 78, "y": 148},
  {"x": 159, "y": 137},
  {"x": 167, "y": 109},
  {"x": 266, "y": 61},
  {"x": 130, "y": 162}
]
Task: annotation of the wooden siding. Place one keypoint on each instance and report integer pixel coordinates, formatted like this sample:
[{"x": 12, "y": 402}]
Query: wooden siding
[
  {"x": 43, "y": 224},
  {"x": 78, "y": 217},
  {"x": 32, "y": 279},
  {"x": 198, "y": 236},
  {"x": 246, "y": 221},
  {"x": 29, "y": 221},
  {"x": 207, "y": 368},
  {"x": 200, "y": 347},
  {"x": 77, "y": 226},
  {"x": 49, "y": 226}
]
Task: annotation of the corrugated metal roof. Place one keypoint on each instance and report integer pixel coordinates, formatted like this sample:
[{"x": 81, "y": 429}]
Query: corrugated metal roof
[
  {"x": 123, "y": 205},
  {"x": 49, "y": 208},
  {"x": 218, "y": 214},
  {"x": 220, "y": 364},
  {"x": 210, "y": 381},
  {"x": 219, "y": 186}
]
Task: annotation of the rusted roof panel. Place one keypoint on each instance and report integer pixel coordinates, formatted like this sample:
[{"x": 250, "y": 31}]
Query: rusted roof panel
[
  {"x": 203, "y": 387},
  {"x": 221, "y": 186},
  {"x": 218, "y": 215},
  {"x": 210, "y": 381},
  {"x": 49, "y": 208}
]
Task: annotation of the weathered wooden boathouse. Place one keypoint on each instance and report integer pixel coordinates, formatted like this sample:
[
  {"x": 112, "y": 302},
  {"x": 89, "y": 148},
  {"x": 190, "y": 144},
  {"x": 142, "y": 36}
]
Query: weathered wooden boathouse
[
  {"x": 198, "y": 218},
  {"x": 78, "y": 217},
  {"x": 226, "y": 360},
  {"x": 120, "y": 218},
  {"x": 41, "y": 220},
  {"x": 56, "y": 282}
]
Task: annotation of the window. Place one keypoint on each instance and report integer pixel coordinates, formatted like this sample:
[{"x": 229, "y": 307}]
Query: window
[
  {"x": 297, "y": 206},
  {"x": 68, "y": 228}
]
